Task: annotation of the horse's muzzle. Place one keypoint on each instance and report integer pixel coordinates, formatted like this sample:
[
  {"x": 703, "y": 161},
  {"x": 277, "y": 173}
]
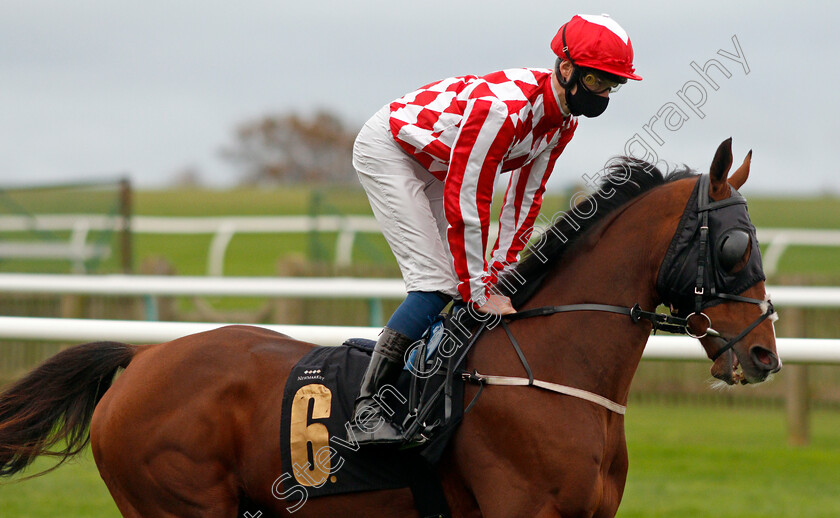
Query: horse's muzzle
[{"x": 765, "y": 360}]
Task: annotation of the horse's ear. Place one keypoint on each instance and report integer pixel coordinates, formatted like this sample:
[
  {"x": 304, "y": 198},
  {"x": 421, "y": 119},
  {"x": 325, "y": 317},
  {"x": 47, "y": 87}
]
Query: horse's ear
[
  {"x": 739, "y": 177},
  {"x": 718, "y": 188}
]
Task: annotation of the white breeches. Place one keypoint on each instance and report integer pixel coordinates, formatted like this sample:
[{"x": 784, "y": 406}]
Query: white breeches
[{"x": 408, "y": 204}]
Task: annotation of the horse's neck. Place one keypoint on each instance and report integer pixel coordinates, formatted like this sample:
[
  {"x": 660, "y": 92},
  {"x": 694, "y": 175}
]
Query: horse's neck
[{"x": 616, "y": 264}]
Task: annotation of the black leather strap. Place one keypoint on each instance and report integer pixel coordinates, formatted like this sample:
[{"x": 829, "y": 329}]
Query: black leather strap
[
  {"x": 738, "y": 298},
  {"x": 519, "y": 353},
  {"x": 660, "y": 321},
  {"x": 426, "y": 487},
  {"x": 550, "y": 310},
  {"x": 702, "y": 256},
  {"x": 731, "y": 343}
]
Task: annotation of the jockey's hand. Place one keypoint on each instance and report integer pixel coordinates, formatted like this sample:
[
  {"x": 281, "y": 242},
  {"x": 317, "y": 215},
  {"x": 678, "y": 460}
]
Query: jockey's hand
[{"x": 497, "y": 305}]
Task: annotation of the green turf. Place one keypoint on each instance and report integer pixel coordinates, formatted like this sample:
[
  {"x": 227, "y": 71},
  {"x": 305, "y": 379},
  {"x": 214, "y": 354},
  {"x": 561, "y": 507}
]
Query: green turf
[
  {"x": 685, "y": 461},
  {"x": 810, "y": 260},
  {"x": 817, "y": 212},
  {"x": 250, "y": 201},
  {"x": 74, "y": 490},
  {"x": 728, "y": 462}
]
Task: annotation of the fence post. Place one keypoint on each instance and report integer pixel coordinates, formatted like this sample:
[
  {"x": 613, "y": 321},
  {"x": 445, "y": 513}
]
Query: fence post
[
  {"x": 797, "y": 405},
  {"x": 375, "y": 312},
  {"x": 150, "y": 308},
  {"x": 157, "y": 308},
  {"x": 125, "y": 226},
  {"x": 71, "y": 306},
  {"x": 797, "y": 395},
  {"x": 316, "y": 249},
  {"x": 218, "y": 248}
]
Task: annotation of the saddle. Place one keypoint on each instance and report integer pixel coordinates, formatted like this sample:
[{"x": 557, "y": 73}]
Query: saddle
[{"x": 319, "y": 452}]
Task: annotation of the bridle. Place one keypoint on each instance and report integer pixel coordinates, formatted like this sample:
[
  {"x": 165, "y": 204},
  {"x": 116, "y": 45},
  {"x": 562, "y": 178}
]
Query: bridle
[{"x": 705, "y": 295}]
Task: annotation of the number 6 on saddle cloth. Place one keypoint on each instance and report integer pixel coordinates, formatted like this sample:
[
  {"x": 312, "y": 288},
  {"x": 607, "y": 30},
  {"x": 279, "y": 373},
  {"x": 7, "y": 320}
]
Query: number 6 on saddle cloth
[{"x": 426, "y": 403}]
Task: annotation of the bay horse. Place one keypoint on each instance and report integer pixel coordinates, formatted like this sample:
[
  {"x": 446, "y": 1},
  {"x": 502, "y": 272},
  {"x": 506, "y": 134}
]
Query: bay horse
[{"x": 191, "y": 427}]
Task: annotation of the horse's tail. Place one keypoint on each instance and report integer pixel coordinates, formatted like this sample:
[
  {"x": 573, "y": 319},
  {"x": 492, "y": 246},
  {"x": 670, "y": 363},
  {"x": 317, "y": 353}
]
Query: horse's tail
[{"x": 53, "y": 404}]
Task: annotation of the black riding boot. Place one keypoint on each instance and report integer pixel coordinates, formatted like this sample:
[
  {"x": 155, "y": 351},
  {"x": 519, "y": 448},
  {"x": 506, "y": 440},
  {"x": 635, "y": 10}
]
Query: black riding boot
[{"x": 371, "y": 424}]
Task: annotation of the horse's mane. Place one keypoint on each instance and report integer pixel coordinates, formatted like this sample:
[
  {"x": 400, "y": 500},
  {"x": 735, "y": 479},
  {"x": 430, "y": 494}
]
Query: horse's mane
[{"x": 628, "y": 177}]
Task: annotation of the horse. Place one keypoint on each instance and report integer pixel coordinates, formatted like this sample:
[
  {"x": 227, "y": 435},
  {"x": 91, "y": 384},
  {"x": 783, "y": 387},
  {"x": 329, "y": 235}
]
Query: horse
[{"x": 190, "y": 427}]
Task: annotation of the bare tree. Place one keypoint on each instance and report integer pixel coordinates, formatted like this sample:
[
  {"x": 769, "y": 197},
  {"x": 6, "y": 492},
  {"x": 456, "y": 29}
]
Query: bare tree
[{"x": 286, "y": 149}]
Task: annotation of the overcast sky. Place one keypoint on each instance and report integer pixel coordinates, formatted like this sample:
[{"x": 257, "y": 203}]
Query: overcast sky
[{"x": 96, "y": 87}]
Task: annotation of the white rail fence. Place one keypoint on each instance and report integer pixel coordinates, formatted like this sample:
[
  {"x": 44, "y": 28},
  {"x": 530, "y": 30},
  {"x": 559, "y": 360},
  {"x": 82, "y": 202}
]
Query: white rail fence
[
  {"x": 778, "y": 240},
  {"x": 76, "y": 249},
  {"x": 667, "y": 347},
  {"x": 221, "y": 228},
  {"x": 791, "y": 350},
  {"x": 163, "y": 285},
  {"x": 372, "y": 290},
  {"x": 296, "y": 287}
]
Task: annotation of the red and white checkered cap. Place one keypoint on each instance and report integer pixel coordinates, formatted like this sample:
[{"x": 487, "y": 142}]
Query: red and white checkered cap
[{"x": 596, "y": 41}]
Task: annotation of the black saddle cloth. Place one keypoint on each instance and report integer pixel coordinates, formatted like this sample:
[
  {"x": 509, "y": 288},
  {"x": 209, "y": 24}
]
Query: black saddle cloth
[{"x": 318, "y": 458}]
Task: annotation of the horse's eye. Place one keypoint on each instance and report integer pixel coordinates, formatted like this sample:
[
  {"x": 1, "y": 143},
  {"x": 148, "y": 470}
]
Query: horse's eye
[{"x": 731, "y": 249}]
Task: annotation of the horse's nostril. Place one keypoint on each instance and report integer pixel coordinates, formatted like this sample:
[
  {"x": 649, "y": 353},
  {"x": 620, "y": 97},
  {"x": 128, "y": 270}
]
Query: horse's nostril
[{"x": 764, "y": 358}]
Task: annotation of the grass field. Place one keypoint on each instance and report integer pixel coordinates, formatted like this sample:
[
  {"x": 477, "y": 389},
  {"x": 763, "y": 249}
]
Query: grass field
[
  {"x": 684, "y": 462},
  {"x": 691, "y": 461}
]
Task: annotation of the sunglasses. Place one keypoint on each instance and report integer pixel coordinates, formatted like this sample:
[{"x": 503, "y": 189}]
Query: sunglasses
[{"x": 598, "y": 84}]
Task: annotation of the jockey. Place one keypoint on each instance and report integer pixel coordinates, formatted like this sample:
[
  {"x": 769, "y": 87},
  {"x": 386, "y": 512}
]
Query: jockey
[{"x": 429, "y": 161}]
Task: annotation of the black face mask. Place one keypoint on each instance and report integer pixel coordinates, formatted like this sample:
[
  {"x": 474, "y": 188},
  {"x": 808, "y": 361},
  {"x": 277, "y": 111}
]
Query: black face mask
[{"x": 582, "y": 102}]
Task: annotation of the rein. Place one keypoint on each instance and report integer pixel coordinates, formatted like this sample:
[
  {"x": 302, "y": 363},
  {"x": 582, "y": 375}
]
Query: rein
[{"x": 660, "y": 321}]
